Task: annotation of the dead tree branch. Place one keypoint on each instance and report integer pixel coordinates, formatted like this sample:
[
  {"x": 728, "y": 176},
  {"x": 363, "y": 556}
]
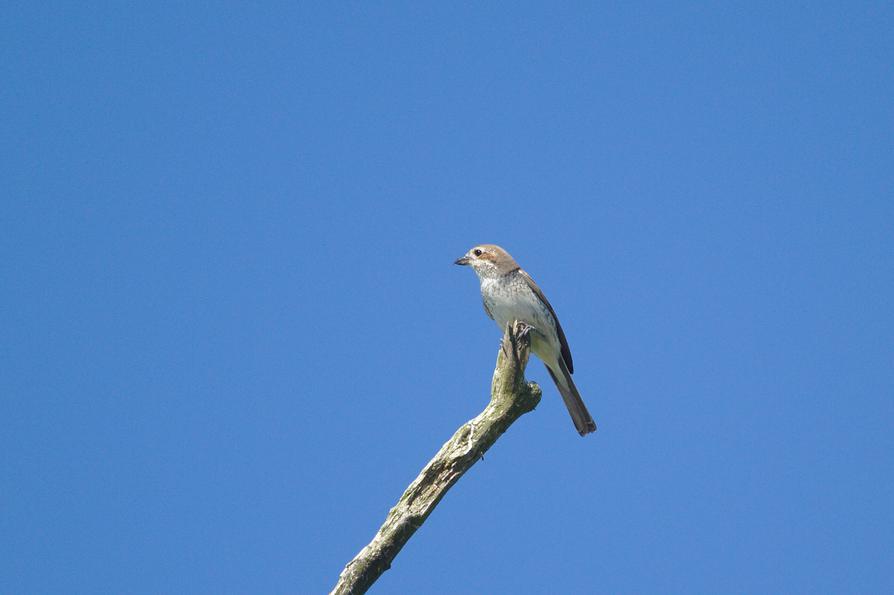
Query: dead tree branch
[{"x": 511, "y": 397}]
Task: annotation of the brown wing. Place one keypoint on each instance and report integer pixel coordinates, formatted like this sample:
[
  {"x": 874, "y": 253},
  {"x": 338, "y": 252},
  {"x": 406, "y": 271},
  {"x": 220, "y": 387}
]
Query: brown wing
[
  {"x": 486, "y": 309},
  {"x": 566, "y": 353}
]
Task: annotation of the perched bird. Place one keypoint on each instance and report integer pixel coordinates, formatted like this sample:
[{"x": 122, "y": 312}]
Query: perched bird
[{"x": 510, "y": 294}]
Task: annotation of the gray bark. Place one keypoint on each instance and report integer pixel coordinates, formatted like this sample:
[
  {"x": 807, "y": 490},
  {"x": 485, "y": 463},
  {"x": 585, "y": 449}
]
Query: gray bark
[{"x": 511, "y": 397}]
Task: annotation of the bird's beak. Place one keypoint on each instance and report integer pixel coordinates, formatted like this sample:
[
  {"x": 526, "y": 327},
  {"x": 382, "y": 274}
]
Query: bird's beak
[{"x": 462, "y": 261}]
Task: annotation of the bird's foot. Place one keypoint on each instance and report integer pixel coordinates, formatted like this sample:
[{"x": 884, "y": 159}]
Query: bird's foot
[{"x": 516, "y": 331}]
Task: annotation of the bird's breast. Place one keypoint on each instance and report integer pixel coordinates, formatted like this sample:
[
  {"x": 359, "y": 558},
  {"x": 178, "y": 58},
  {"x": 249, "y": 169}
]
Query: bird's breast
[{"x": 510, "y": 300}]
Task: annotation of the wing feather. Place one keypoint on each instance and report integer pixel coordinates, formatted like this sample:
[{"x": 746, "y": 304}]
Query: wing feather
[
  {"x": 566, "y": 352},
  {"x": 486, "y": 309}
]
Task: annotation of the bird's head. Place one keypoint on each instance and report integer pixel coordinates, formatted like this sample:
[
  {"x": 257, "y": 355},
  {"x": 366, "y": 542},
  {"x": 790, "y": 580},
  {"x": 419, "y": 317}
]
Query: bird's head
[{"x": 488, "y": 260}]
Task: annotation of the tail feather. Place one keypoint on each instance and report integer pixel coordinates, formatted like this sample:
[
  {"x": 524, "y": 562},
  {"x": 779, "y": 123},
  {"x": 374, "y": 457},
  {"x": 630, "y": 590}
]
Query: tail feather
[{"x": 579, "y": 414}]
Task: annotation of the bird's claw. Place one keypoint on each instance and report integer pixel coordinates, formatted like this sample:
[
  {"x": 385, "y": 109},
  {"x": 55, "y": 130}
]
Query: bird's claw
[{"x": 515, "y": 331}]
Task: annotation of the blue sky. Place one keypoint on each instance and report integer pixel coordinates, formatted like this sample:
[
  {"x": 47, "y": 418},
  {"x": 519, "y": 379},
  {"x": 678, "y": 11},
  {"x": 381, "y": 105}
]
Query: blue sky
[{"x": 233, "y": 333}]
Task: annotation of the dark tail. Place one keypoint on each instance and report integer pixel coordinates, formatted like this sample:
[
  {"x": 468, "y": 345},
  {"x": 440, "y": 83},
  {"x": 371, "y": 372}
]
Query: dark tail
[{"x": 579, "y": 414}]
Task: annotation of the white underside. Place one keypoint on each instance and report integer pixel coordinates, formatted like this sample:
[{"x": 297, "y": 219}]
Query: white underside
[{"x": 508, "y": 302}]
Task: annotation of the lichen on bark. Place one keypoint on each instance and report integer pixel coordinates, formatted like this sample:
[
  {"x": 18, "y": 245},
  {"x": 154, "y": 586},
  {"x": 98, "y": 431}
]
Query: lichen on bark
[{"x": 511, "y": 397}]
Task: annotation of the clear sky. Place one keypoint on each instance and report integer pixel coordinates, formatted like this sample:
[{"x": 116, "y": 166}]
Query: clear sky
[{"x": 232, "y": 332}]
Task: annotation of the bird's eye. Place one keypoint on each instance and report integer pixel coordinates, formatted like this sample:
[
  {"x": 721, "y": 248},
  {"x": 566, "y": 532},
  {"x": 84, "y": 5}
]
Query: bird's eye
[{"x": 476, "y": 252}]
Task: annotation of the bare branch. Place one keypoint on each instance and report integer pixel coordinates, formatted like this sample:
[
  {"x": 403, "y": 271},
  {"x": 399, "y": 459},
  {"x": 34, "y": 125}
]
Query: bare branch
[{"x": 511, "y": 397}]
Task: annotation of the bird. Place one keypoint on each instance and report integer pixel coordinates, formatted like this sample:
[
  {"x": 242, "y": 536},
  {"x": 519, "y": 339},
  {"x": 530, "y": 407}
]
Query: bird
[{"x": 510, "y": 294}]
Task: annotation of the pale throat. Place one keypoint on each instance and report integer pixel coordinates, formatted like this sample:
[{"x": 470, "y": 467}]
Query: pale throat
[{"x": 486, "y": 271}]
